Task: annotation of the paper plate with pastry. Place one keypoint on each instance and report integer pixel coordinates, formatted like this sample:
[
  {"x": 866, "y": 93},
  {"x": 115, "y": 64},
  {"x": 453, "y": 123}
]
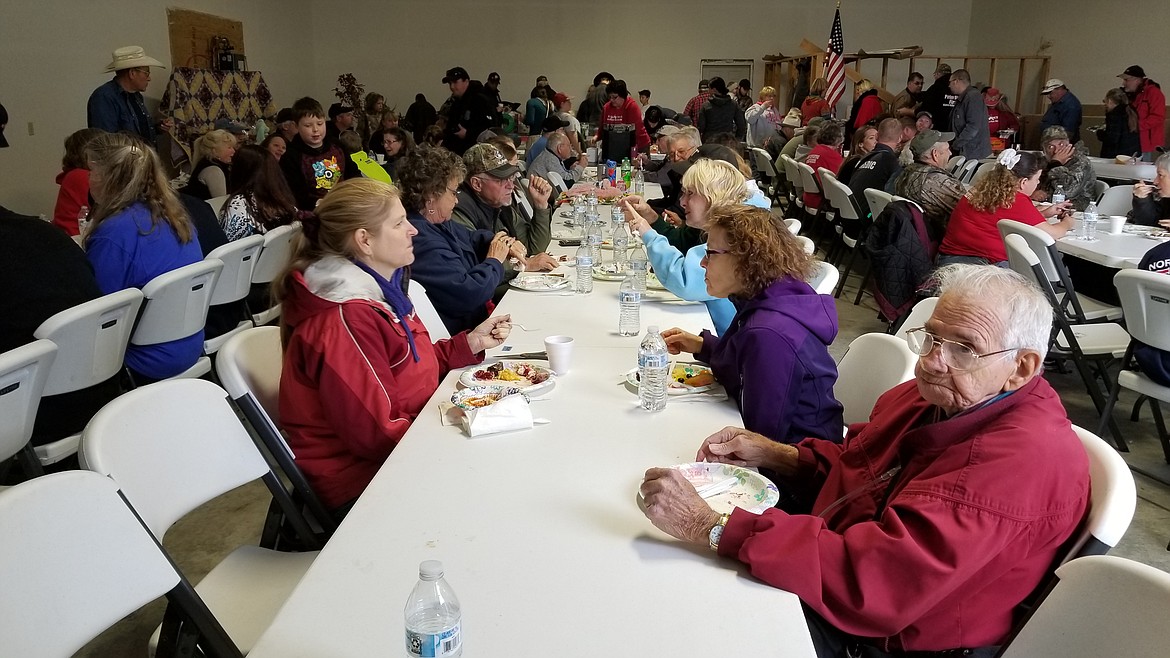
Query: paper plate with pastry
[{"x": 533, "y": 379}]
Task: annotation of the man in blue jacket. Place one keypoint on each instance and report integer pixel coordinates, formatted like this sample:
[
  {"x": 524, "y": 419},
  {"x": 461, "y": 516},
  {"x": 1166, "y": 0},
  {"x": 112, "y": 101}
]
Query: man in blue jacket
[
  {"x": 118, "y": 105},
  {"x": 1064, "y": 111}
]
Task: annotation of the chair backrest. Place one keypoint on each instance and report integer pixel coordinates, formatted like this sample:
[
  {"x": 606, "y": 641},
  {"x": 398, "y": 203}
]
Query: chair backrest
[
  {"x": 917, "y": 316},
  {"x": 216, "y": 203},
  {"x": 839, "y": 195},
  {"x": 1113, "y": 498},
  {"x": 80, "y": 562},
  {"x": 954, "y": 163},
  {"x": 792, "y": 172},
  {"x": 763, "y": 162},
  {"x": 275, "y": 254},
  {"x": 1038, "y": 241},
  {"x": 967, "y": 172},
  {"x": 524, "y": 183},
  {"x": 1117, "y": 200},
  {"x": 176, "y": 303},
  {"x": 91, "y": 340},
  {"x": 793, "y": 226},
  {"x": 249, "y": 368},
  {"x": 426, "y": 312},
  {"x": 1101, "y": 606},
  {"x": 239, "y": 260},
  {"x": 1099, "y": 187},
  {"x": 524, "y": 204},
  {"x": 23, "y": 372},
  {"x": 808, "y": 179},
  {"x": 807, "y": 244},
  {"x": 825, "y": 278},
  {"x": 1145, "y": 298},
  {"x": 558, "y": 183},
  {"x": 982, "y": 171},
  {"x": 878, "y": 200},
  {"x": 874, "y": 364},
  {"x": 171, "y": 446}
]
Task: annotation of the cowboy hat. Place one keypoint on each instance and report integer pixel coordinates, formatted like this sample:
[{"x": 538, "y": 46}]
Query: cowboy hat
[{"x": 130, "y": 57}]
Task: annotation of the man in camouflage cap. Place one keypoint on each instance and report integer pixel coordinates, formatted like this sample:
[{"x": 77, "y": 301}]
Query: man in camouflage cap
[
  {"x": 926, "y": 182},
  {"x": 486, "y": 201}
]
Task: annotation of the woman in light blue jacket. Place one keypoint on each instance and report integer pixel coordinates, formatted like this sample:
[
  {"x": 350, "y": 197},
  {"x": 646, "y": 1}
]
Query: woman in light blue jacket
[{"x": 706, "y": 183}]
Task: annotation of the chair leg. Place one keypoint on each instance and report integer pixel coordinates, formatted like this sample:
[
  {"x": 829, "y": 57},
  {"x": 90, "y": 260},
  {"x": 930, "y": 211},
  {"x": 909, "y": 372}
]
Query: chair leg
[
  {"x": 1137, "y": 408},
  {"x": 1161, "y": 425},
  {"x": 30, "y": 464},
  {"x": 845, "y": 274},
  {"x": 1094, "y": 390},
  {"x": 864, "y": 282},
  {"x": 1107, "y": 415}
]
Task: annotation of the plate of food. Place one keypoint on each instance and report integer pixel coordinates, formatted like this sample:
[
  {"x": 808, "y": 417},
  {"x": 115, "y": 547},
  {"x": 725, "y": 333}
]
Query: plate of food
[
  {"x": 608, "y": 245},
  {"x": 685, "y": 378},
  {"x": 521, "y": 375},
  {"x": 725, "y": 487},
  {"x": 478, "y": 397},
  {"x": 609, "y": 272},
  {"x": 1137, "y": 230},
  {"x": 539, "y": 282},
  {"x": 652, "y": 282},
  {"x": 566, "y": 234}
]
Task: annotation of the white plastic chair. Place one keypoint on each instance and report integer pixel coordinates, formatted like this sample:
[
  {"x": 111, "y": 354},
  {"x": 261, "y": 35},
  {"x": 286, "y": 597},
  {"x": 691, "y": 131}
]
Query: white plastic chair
[
  {"x": 851, "y": 222},
  {"x": 763, "y": 163},
  {"x": 273, "y": 259},
  {"x": 1113, "y": 498},
  {"x": 793, "y": 226},
  {"x": 249, "y": 367},
  {"x": 1078, "y": 308},
  {"x": 954, "y": 163},
  {"x": 176, "y": 307},
  {"x": 175, "y": 445},
  {"x": 557, "y": 182},
  {"x": 235, "y": 281},
  {"x": 1099, "y": 188},
  {"x": 825, "y": 278},
  {"x": 80, "y": 562},
  {"x": 877, "y": 200},
  {"x": 23, "y": 372},
  {"x": 1117, "y": 200},
  {"x": 216, "y": 203},
  {"x": 91, "y": 340},
  {"x": 807, "y": 245},
  {"x": 792, "y": 173},
  {"x": 966, "y": 173},
  {"x": 1147, "y": 318},
  {"x": 982, "y": 171},
  {"x": 426, "y": 312},
  {"x": 1101, "y": 606},
  {"x": 917, "y": 316},
  {"x": 525, "y": 205},
  {"x": 874, "y": 364}
]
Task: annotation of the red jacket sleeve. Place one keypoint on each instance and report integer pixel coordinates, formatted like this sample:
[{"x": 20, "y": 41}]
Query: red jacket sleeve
[
  {"x": 634, "y": 116},
  {"x": 1155, "y": 117},
  {"x": 74, "y": 194}
]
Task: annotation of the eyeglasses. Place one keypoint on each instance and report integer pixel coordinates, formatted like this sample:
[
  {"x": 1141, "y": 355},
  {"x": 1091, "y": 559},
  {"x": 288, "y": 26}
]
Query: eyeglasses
[
  {"x": 717, "y": 252},
  {"x": 958, "y": 356}
]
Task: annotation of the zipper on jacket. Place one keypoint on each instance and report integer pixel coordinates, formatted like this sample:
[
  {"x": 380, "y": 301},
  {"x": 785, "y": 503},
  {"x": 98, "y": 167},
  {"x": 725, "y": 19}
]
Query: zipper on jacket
[{"x": 881, "y": 479}]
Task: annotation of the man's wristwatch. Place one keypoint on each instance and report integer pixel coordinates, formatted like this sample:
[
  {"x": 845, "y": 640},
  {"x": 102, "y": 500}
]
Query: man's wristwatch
[{"x": 717, "y": 531}]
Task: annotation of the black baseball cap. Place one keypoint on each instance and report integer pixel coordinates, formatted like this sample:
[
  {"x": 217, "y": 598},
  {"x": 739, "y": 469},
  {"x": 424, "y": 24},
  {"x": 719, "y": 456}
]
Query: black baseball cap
[
  {"x": 492, "y": 77},
  {"x": 337, "y": 109},
  {"x": 457, "y": 73},
  {"x": 1134, "y": 71}
]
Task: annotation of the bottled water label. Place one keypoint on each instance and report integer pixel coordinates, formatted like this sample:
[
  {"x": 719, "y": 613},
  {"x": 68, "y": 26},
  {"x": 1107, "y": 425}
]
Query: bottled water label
[
  {"x": 630, "y": 297},
  {"x": 653, "y": 360},
  {"x": 435, "y": 645},
  {"x": 584, "y": 261}
]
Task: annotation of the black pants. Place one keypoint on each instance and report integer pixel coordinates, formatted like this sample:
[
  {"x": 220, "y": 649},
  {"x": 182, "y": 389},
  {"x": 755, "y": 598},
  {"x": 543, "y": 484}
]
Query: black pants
[{"x": 831, "y": 642}]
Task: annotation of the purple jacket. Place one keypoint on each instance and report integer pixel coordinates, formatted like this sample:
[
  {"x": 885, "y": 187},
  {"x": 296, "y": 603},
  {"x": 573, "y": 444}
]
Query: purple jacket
[{"x": 775, "y": 363}]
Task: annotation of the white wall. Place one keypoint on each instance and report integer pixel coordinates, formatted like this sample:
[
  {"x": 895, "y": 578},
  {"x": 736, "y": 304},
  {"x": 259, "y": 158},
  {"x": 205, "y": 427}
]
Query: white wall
[{"x": 54, "y": 52}]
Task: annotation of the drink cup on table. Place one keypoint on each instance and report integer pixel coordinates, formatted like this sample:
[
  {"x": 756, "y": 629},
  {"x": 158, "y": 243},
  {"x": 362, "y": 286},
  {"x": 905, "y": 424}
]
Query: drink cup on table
[
  {"x": 1116, "y": 224},
  {"x": 560, "y": 353}
]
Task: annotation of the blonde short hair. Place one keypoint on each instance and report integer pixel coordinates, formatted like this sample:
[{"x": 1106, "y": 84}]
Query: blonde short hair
[
  {"x": 767, "y": 92},
  {"x": 206, "y": 145},
  {"x": 716, "y": 181}
]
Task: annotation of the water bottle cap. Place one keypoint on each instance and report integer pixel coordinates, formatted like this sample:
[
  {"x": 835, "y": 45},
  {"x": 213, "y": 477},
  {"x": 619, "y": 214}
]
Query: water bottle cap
[
  {"x": 430, "y": 570},
  {"x": 653, "y": 329}
]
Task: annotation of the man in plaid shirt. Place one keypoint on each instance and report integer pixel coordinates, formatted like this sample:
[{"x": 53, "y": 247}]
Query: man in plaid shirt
[{"x": 696, "y": 103}]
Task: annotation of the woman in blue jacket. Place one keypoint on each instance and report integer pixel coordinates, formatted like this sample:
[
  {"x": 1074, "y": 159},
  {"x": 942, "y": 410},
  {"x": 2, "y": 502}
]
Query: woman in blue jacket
[{"x": 460, "y": 268}]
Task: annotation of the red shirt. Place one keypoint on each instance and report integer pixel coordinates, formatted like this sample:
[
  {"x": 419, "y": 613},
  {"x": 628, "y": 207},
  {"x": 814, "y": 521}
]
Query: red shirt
[
  {"x": 813, "y": 106},
  {"x": 74, "y": 194},
  {"x": 629, "y": 114},
  {"x": 973, "y": 232},
  {"x": 822, "y": 156}
]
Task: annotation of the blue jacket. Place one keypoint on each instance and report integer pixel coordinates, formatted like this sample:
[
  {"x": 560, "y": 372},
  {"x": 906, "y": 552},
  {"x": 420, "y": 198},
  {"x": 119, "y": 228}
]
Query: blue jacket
[
  {"x": 113, "y": 109},
  {"x": 1065, "y": 112},
  {"x": 127, "y": 250},
  {"x": 451, "y": 262},
  {"x": 535, "y": 148},
  {"x": 774, "y": 361}
]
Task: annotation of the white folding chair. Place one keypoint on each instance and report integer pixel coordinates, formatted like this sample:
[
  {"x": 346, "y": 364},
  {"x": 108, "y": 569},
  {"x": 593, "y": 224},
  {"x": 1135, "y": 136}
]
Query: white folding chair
[
  {"x": 23, "y": 373},
  {"x": 917, "y": 316},
  {"x": 216, "y": 203},
  {"x": 966, "y": 172},
  {"x": 426, "y": 312},
  {"x": 91, "y": 340},
  {"x": 825, "y": 278},
  {"x": 825, "y": 228},
  {"x": 807, "y": 245},
  {"x": 524, "y": 204},
  {"x": 1117, "y": 200},
  {"x": 954, "y": 163},
  {"x": 1113, "y": 499},
  {"x": 1144, "y": 297},
  {"x": 80, "y": 562},
  {"x": 982, "y": 171},
  {"x": 176, "y": 307},
  {"x": 1078, "y": 308},
  {"x": 793, "y": 226},
  {"x": 249, "y": 367},
  {"x": 792, "y": 173},
  {"x": 175, "y": 445},
  {"x": 278, "y": 244},
  {"x": 874, "y": 364},
  {"x": 234, "y": 283},
  {"x": 1101, "y": 606},
  {"x": 877, "y": 200},
  {"x": 557, "y": 182},
  {"x": 763, "y": 162},
  {"x": 1099, "y": 188},
  {"x": 850, "y": 225}
]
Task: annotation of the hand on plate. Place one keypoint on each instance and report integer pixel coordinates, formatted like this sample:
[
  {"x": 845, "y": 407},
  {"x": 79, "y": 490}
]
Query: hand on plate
[
  {"x": 541, "y": 263},
  {"x": 737, "y": 446},
  {"x": 679, "y": 341},
  {"x": 490, "y": 333},
  {"x": 674, "y": 507}
]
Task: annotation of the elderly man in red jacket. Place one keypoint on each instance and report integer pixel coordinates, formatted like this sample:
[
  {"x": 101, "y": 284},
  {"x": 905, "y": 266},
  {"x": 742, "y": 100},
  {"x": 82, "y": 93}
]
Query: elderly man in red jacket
[
  {"x": 937, "y": 518},
  {"x": 1149, "y": 102}
]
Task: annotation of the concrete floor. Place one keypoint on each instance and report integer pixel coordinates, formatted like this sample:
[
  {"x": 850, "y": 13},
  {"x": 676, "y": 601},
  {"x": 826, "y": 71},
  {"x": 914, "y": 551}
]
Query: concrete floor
[{"x": 202, "y": 538}]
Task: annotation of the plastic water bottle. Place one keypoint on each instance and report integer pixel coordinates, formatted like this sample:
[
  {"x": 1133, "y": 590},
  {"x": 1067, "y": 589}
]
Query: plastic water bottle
[
  {"x": 653, "y": 371},
  {"x": 584, "y": 270},
  {"x": 630, "y": 304},
  {"x": 639, "y": 180},
  {"x": 637, "y": 261},
  {"x": 434, "y": 625},
  {"x": 1089, "y": 222},
  {"x": 83, "y": 221},
  {"x": 1058, "y": 195},
  {"x": 593, "y": 236},
  {"x": 627, "y": 174},
  {"x": 621, "y": 243}
]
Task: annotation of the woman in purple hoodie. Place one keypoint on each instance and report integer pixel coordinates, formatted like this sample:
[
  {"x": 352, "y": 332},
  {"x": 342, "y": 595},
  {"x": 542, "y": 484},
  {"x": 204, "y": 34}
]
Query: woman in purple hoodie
[{"x": 774, "y": 359}]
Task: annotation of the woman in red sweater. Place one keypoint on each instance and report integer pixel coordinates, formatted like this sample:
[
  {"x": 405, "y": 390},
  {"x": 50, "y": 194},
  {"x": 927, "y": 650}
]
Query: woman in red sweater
[
  {"x": 621, "y": 115},
  {"x": 74, "y": 180},
  {"x": 826, "y": 154},
  {"x": 973, "y": 235}
]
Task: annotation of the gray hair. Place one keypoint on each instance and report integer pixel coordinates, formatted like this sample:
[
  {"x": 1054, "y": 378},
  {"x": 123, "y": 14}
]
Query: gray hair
[
  {"x": 689, "y": 133},
  {"x": 556, "y": 139},
  {"x": 1020, "y": 305},
  {"x": 1163, "y": 163}
]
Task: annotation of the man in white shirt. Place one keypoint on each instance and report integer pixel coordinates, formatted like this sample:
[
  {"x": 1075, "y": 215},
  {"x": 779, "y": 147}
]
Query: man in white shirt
[{"x": 564, "y": 105}]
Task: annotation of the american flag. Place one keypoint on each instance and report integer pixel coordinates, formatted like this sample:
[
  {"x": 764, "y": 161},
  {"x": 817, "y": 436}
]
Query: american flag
[{"x": 834, "y": 63}]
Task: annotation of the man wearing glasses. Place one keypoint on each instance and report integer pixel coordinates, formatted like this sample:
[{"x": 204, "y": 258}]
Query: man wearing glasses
[
  {"x": 118, "y": 105},
  {"x": 933, "y": 521}
]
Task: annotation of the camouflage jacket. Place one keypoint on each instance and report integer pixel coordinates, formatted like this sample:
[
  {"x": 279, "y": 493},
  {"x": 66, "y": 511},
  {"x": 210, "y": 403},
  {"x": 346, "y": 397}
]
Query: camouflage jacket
[
  {"x": 1076, "y": 176},
  {"x": 932, "y": 188}
]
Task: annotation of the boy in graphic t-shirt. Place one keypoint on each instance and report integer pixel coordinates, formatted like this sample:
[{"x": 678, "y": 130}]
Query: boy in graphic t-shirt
[{"x": 313, "y": 163}]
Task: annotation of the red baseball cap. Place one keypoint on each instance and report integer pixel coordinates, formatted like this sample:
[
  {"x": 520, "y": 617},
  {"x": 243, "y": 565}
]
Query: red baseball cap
[{"x": 561, "y": 97}]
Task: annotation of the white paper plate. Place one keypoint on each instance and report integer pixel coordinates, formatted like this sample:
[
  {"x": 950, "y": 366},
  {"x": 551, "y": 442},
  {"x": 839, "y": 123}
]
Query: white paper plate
[
  {"x": 676, "y": 387},
  {"x": 753, "y": 492},
  {"x": 539, "y": 282},
  {"x": 466, "y": 398},
  {"x": 469, "y": 380},
  {"x": 606, "y": 244},
  {"x": 608, "y": 272},
  {"x": 652, "y": 283}
]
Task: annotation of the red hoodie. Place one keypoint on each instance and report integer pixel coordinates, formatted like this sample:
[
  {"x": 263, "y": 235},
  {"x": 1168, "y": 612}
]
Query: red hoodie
[
  {"x": 629, "y": 114},
  {"x": 1150, "y": 104},
  {"x": 350, "y": 387},
  {"x": 74, "y": 194}
]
